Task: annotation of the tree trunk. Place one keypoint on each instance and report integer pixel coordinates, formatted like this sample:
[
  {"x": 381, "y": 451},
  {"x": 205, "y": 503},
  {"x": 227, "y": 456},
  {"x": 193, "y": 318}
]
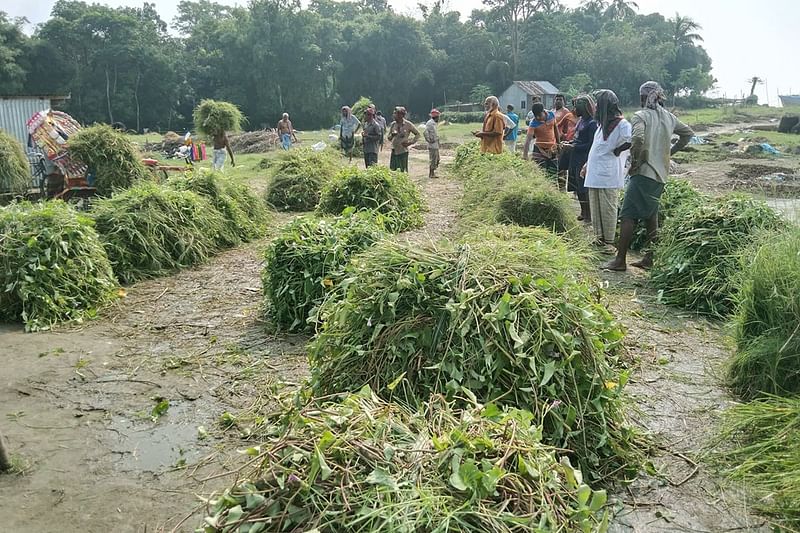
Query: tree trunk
[
  {"x": 108, "y": 98},
  {"x": 280, "y": 97},
  {"x": 5, "y": 461},
  {"x": 136, "y": 97}
]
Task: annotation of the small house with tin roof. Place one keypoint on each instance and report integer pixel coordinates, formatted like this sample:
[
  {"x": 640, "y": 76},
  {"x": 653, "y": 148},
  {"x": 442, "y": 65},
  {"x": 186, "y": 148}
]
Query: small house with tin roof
[{"x": 520, "y": 94}]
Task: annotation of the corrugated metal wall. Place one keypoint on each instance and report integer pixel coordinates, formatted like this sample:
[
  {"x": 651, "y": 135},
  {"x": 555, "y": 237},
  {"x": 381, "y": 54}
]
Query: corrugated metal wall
[{"x": 15, "y": 112}]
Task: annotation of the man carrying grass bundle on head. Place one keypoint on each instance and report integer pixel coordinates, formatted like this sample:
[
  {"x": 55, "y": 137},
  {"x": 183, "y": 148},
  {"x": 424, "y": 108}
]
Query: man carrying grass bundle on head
[
  {"x": 651, "y": 149},
  {"x": 221, "y": 144},
  {"x": 399, "y": 132},
  {"x": 371, "y": 135}
]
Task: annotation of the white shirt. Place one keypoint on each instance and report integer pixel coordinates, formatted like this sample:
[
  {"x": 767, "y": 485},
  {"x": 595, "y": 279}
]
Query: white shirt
[
  {"x": 604, "y": 170},
  {"x": 431, "y": 135}
]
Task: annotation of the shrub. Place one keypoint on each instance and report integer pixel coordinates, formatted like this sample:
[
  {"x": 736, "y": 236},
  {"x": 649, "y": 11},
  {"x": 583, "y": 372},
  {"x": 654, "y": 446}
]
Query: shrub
[
  {"x": 463, "y": 117},
  {"x": 52, "y": 265},
  {"x": 304, "y": 263},
  {"x": 679, "y": 196},
  {"x": 213, "y": 117},
  {"x": 696, "y": 256},
  {"x": 359, "y": 108},
  {"x": 390, "y": 193},
  {"x": 111, "y": 157},
  {"x": 15, "y": 173},
  {"x": 298, "y": 178},
  {"x": 527, "y": 203}
]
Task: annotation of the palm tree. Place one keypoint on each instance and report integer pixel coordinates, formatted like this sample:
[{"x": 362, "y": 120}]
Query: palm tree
[
  {"x": 684, "y": 31},
  {"x": 755, "y": 80},
  {"x": 595, "y": 7},
  {"x": 621, "y": 9}
]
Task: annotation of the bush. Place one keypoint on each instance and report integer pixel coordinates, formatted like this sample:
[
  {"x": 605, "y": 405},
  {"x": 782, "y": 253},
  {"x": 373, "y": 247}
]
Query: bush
[
  {"x": 298, "y": 178},
  {"x": 359, "y": 108},
  {"x": 679, "y": 196},
  {"x": 696, "y": 256},
  {"x": 767, "y": 358},
  {"x": 52, "y": 265},
  {"x": 527, "y": 203},
  {"x": 505, "y": 321},
  {"x": 463, "y": 117},
  {"x": 390, "y": 193},
  {"x": 213, "y": 117},
  {"x": 15, "y": 173},
  {"x": 150, "y": 230},
  {"x": 304, "y": 263},
  {"x": 365, "y": 465},
  {"x": 111, "y": 157}
]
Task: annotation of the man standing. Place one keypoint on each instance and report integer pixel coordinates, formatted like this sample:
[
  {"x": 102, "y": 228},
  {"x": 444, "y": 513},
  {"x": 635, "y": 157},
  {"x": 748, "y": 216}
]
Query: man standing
[
  {"x": 560, "y": 105},
  {"x": 348, "y": 128},
  {"x": 543, "y": 134},
  {"x": 382, "y": 122},
  {"x": 491, "y": 134},
  {"x": 221, "y": 144},
  {"x": 399, "y": 132},
  {"x": 432, "y": 137},
  {"x": 371, "y": 134},
  {"x": 653, "y": 127},
  {"x": 286, "y": 132},
  {"x": 511, "y": 133}
]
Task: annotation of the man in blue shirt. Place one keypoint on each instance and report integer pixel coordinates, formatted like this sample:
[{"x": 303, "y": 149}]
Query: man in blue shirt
[{"x": 510, "y": 136}]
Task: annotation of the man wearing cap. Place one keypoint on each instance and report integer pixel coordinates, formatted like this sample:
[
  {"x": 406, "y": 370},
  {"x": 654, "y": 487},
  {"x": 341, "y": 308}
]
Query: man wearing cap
[
  {"x": 432, "y": 137},
  {"x": 371, "y": 134},
  {"x": 651, "y": 149},
  {"x": 399, "y": 132}
]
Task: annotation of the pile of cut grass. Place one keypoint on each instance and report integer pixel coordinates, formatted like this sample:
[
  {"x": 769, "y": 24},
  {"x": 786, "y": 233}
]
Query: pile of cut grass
[
  {"x": 52, "y": 265},
  {"x": 507, "y": 320},
  {"x": 304, "y": 263},
  {"x": 535, "y": 204},
  {"x": 214, "y": 117},
  {"x": 15, "y": 173},
  {"x": 361, "y": 464},
  {"x": 679, "y": 196},
  {"x": 392, "y": 194},
  {"x": 111, "y": 157},
  {"x": 697, "y": 253},
  {"x": 298, "y": 178}
]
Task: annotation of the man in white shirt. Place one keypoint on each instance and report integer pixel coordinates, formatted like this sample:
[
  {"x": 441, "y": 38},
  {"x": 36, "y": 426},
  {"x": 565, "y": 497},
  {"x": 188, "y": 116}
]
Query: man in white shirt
[{"x": 432, "y": 137}]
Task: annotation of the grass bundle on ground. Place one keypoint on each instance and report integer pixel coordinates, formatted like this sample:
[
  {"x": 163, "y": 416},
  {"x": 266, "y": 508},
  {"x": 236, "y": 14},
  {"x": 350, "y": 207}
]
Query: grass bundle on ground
[
  {"x": 391, "y": 193},
  {"x": 759, "y": 445},
  {"x": 214, "y": 117},
  {"x": 366, "y": 465},
  {"x": 110, "y": 156},
  {"x": 697, "y": 254},
  {"x": 245, "y": 214},
  {"x": 535, "y": 203},
  {"x": 298, "y": 178},
  {"x": 507, "y": 320},
  {"x": 767, "y": 358},
  {"x": 52, "y": 265},
  {"x": 305, "y": 261},
  {"x": 151, "y": 230},
  {"x": 679, "y": 196},
  {"x": 15, "y": 173}
]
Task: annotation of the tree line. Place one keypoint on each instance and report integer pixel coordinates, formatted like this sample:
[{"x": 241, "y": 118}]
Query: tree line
[{"x": 126, "y": 64}]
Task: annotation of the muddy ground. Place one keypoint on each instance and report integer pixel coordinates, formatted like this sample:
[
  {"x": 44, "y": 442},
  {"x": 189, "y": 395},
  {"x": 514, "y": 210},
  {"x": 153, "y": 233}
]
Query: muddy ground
[{"x": 78, "y": 405}]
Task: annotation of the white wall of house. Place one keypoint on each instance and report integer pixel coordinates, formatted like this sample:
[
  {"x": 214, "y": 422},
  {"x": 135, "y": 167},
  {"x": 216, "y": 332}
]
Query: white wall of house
[{"x": 516, "y": 97}]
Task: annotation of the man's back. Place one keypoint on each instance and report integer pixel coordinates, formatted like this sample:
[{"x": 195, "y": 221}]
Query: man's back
[{"x": 652, "y": 141}]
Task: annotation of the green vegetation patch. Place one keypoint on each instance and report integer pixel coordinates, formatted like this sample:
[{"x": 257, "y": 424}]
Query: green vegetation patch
[
  {"x": 214, "y": 117},
  {"x": 15, "y": 173},
  {"x": 298, "y": 177},
  {"x": 679, "y": 196}
]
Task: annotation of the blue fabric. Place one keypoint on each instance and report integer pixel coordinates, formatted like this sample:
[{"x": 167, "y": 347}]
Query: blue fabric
[
  {"x": 512, "y": 133},
  {"x": 286, "y": 141},
  {"x": 536, "y": 123}
]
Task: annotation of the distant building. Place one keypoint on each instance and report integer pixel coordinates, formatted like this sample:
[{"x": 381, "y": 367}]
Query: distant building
[
  {"x": 520, "y": 94},
  {"x": 15, "y": 110}
]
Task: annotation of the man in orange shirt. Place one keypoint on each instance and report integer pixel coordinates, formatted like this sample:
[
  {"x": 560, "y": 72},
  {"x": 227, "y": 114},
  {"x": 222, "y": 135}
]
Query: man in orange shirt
[
  {"x": 491, "y": 135},
  {"x": 543, "y": 134}
]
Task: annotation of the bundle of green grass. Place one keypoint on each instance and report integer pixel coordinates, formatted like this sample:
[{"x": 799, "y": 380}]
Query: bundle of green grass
[
  {"x": 304, "y": 263},
  {"x": 151, "y": 230},
  {"x": 111, "y": 157},
  {"x": 767, "y": 358},
  {"x": 392, "y": 194},
  {"x": 359, "y": 108},
  {"x": 504, "y": 320},
  {"x": 361, "y": 464},
  {"x": 15, "y": 173},
  {"x": 535, "y": 203},
  {"x": 697, "y": 254},
  {"x": 679, "y": 196},
  {"x": 52, "y": 265},
  {"x": 298, "y": 178},
  {"x": 245, "y": 214},
  {"x": 213, "y": 117}
]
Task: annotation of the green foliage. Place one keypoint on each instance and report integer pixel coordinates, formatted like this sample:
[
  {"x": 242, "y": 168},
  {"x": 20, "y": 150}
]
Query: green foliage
[
  {"x": 298, "y": 178},
  {"x": 52, "y": 265},
  {"x": 304, "y": 262},
  {"x": 679, "y": 196},
  {"x": 507, "y": 320},
  {"x": 150, "y": 230},
  {"x": 366, "y": 465},
  {"x": 15, "y": 173},
  {"x": 215, "y": 118},
  {"x": 767, "y": 358},
  {"x": 463, "y": 117},
  {"x": 377, "y": 188},
  {"x": 110, "y": 156},
  {"x": 528, "y": 203},
  {"x": 696, "y": 256},
  {"x": 359, "y": 109}
]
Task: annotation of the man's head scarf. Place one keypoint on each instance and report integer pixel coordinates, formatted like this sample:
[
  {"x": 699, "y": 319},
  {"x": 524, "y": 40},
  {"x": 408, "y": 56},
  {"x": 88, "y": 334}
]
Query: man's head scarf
[
  {"x": 608, "y": 113},
  {"x": 653, "y": 93},
  {"x": 345, "y": 111},
  {"x": 584, "y": 105}
]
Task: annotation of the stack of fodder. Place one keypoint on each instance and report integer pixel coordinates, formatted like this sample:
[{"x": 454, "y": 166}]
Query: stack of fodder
[
  {"x": 697, "y": 253},
  {"x": 507, "y": 320},
  {"x": 214, "y": 117},
  {"x": 392, "y": 194},
  {"x": 15, "y": 173},
  {"x": 767, "y": 358},
  {"x": 255, "y": 142},
  {"x": 298, "y": 177},
  {"x": 359, "y": 108},
  {"x": 111, "y": 157},
  {"x": 361, "y": 464},
  {"x": 679, "y": 196},
  {"x": 528, "y": 203},
  {"x": 304, "y": 263},
  {"x": 150, "y": 230},
  {"x": 245, "y": 214},
  {"x": 52, "y": 265}
]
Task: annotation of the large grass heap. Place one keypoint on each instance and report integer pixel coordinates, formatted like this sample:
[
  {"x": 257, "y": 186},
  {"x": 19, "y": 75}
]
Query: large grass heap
[
  {"x": 507, "y": 320},
  {"x": 377, "y": 188},
  {"x": 365, "y": 465},
  {"x": 679, "y": 196},
  {"x": 15, "y": 173},
  {"x": 697, "y": 254},
  {"x": 304, "y": 262},
  {"x": 214, "y": 117},
  {"x": 110, "y": 156},
  {"x": 52, "y": 265},
  {"x": 298, "y": 178},
  {"x": 767, "y": 319}
]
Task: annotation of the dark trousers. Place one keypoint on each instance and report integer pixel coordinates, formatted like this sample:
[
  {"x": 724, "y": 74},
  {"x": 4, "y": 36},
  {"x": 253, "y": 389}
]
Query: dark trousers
[
  {"x": 399, "y": 162},
  {"x": 370, "y": 159}
]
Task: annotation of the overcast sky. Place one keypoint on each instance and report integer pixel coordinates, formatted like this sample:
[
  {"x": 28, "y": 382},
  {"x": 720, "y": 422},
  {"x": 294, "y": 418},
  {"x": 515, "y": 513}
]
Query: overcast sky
[{"x": 743, "y": 38}]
